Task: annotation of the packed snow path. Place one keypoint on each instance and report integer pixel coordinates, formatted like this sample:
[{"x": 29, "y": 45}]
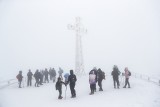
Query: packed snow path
[{"x": 141, "y": 94}]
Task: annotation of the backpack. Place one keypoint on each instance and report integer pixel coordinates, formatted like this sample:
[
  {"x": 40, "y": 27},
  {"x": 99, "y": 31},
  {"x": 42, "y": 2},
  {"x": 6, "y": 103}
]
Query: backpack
[
  {"x": 17, "y": 76},
  {"x": 103, "y": 73},
  {"x": 129, "y": 73},
  {"x": 119, "y": 72}
]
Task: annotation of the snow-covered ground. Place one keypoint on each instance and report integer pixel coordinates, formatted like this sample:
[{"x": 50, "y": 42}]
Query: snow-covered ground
[{"x": 141, "y": 94}]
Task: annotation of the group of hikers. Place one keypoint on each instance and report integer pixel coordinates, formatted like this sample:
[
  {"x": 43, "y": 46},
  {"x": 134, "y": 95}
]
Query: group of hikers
[
  {"x": 41, "y": 76},
  {"x": 95, "y": 75},
  {"x": 115, "y": 73},
  {"x": 98, "y": 75}
]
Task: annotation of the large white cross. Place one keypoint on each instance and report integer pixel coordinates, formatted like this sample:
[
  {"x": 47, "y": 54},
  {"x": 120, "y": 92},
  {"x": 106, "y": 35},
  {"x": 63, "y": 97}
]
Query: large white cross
[{"x": 78, "y": 27}]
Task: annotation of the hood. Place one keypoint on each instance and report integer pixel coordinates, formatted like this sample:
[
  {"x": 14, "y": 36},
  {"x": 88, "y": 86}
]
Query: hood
[{"x": 71, "y": 72}]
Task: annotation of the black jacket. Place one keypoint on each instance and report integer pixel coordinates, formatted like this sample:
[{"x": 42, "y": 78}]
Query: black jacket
[
  {"x": 72, "y": 79},
  {"x": 100, "y": 75},
  {"x": 37, "y": 75},
  {"x": 29, "y": 74},
  {"x": 115, "y": 73},
  {"x": 59, "y": 85}
]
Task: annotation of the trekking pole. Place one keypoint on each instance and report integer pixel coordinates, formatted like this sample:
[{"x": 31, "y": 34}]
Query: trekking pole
[{"x": 65, "y": 92}]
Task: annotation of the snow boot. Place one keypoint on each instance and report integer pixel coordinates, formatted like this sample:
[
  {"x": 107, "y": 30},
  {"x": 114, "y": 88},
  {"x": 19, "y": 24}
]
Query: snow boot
[
  {"x": 60, "y": 97},
  {"x": 100, "y": 89},
  {"x": 73, "y": 96},
  {"x": 91, "y": 93}
]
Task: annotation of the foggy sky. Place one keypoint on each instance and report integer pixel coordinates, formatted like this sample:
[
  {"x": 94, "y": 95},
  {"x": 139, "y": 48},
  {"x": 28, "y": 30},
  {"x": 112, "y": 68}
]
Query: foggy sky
[{"x": 34, "y": 34}]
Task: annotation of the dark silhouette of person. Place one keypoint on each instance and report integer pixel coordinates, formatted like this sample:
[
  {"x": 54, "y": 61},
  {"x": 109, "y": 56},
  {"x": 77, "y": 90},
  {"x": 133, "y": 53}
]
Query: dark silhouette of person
[
  {"x": 29, "y": 78},
  {"x": 115, "y": 73},
  {"x": 59, "y": 87},
  {"x": 72, "y": 81},
  {"x": 19, "y": 77}
]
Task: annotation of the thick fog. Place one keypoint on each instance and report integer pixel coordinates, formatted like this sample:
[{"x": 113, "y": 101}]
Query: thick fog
[{"x": 34, "y": 35}]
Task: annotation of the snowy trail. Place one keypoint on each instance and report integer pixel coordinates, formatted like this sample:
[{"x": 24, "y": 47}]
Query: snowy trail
[{"x": 141, "y": 94}]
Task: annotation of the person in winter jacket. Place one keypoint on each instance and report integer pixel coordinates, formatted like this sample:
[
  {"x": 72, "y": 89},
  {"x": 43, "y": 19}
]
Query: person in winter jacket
[
  {"x": 42, "y": 72},
  {"x": 127, "y": 74},
  {"x": 92, "y": 81},
  {"x": 115, "y": 73},
  {"x": 59, "y": 87},
  {"x": 37, "y": 78},
  {"x": 41, "y": 77},
  {"x": 101, "y": 76},
  {"x": 51, "y": 73},
  {"x": 19, "y": 77},
  {"x": 29, "y": 77},
  {"x": 54, "y": 74},
  {"x": 96, "y": 73},
  {"x": 72, "y": 82},
  {"x": 46, "y": 75},
  {"x": 60, "y": 73}
]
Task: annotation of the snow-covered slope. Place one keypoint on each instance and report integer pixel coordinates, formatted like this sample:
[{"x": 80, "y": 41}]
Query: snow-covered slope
[{"x": 141, "y": 94}]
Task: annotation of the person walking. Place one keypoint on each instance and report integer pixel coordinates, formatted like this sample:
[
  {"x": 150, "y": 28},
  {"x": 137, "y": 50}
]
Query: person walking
[
  {"x": 101, "y": 76},
  {"x": 96, "y": 73},
  {"x": 37, "y": 78},
  {"x": 92, "y": 81},
  {"x": 127, "y": 74}
]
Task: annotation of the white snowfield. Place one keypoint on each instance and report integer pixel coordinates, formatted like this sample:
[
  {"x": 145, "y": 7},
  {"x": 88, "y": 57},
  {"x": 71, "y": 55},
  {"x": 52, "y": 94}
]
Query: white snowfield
[{"x": 141, "y": 94}]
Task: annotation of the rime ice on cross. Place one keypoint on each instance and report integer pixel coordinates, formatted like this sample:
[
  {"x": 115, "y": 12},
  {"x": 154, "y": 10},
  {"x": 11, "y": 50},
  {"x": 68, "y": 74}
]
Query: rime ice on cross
[{"x": 78, "y": 27}]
